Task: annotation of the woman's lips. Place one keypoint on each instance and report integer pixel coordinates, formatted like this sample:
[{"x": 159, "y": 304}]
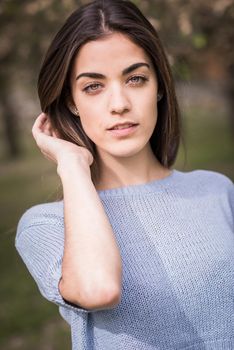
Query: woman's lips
[{"x": 123, "y": 132}]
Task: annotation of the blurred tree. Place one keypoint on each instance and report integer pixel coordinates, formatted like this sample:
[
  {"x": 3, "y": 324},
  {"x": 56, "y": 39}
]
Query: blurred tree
[
  {"x": 191, "y": 31},
  {"x": 26, "y": 28},
  {"x": 198, "y": 35},
  {"x": 211, "y": 24}
]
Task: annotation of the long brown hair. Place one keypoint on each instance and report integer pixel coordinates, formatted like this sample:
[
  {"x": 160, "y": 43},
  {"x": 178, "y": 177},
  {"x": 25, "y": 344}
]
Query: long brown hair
[{"x": 91, "y": 22}]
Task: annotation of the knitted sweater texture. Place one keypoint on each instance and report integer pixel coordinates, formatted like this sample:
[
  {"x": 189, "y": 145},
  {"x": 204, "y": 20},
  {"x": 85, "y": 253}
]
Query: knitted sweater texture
[{"x": 176, "y": 239}]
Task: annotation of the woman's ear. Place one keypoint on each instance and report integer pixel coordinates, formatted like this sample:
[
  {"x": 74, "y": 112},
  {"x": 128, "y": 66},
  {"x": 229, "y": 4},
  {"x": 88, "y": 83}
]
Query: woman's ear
[
  {"x": 71, "y": 106},
  {"x": 159, "y": 95}
]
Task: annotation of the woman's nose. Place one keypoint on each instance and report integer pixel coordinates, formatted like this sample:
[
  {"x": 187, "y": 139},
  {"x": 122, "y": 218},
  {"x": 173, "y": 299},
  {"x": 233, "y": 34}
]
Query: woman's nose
[{"x": 118, "y": 100}]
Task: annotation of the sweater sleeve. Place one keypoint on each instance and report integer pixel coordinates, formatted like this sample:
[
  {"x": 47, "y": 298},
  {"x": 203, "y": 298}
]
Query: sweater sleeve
[
  {"x": 231, "y": 197},
  {"x": 40, "y": 243}
]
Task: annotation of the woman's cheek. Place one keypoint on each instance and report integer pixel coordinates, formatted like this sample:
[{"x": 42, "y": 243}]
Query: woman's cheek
[{"x": 89, "y": 128}]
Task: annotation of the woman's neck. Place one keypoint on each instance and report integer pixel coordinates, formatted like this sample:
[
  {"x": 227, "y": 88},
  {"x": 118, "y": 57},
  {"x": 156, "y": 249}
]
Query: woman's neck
[{"x": 115, "y": 172}]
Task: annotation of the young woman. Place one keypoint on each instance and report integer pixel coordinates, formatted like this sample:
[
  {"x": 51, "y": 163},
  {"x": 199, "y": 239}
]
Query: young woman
[{"x": 136, "y": 254}]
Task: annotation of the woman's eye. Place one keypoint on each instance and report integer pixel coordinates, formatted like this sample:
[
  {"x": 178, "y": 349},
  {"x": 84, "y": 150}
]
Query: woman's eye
[
  {"x": 138, "y": 79},
  {"x": 91, "y": 88},
  {"x": 135, "y": 80}
]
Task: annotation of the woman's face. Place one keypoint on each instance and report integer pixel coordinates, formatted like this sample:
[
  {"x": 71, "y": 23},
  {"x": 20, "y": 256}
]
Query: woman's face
[{"x": 112, "y": 96}]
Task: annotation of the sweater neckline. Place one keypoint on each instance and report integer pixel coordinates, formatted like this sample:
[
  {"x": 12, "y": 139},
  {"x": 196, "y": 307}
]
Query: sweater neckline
[{"x": 151, "y": 186}]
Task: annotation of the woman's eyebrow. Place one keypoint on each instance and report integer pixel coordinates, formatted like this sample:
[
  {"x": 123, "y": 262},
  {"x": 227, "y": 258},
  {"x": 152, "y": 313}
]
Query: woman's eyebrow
[{"x": 124, "y": 72}]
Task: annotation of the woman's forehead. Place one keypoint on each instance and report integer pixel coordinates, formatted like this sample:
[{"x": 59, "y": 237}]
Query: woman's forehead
[{"x": 114, "y": 52}]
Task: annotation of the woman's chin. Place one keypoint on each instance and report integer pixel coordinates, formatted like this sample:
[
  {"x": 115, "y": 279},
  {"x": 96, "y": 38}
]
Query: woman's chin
[{"x": 125, "y": 153}]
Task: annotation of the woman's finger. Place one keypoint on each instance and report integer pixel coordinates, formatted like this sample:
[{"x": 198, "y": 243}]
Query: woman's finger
[
  {"x": 43, "y": 124},
  {"x": 55, "y": 134},
  {"x": 40, "y": 120},
  {"x": 46, "y": 128}
]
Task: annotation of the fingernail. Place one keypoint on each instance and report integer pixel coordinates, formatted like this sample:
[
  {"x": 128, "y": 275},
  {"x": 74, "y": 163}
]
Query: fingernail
[{"x": 44, "y": 115}]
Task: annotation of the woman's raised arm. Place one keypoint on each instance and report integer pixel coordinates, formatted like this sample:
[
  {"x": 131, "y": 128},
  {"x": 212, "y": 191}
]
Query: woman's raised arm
[{"x": 91, "y": 266}]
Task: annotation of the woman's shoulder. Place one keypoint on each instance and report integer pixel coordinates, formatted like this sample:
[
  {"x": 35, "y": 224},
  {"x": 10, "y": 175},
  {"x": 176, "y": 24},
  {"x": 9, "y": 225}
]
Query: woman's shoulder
[
  {"x": 43, "y": 213},
  {"x": 209, "y": 178}
]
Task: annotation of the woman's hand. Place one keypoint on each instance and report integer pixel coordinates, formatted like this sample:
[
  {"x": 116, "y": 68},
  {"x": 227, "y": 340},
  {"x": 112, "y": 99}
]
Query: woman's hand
[{"x": 56, "y": 149}]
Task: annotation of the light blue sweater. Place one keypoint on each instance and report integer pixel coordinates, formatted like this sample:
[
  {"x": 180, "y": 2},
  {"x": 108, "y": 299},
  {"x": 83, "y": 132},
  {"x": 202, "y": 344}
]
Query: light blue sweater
[{"x": 176, "y": 239}]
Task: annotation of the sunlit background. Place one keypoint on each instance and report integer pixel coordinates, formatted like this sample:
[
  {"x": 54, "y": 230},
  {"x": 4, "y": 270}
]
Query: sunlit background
[{"x": 198, "y": 37}]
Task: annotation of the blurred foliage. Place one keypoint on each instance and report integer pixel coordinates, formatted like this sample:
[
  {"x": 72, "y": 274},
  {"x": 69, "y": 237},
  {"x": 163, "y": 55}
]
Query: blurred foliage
[
  {"x": 189, "y": 30},
  {"x": 186, "y": 27},
  {"x": 199, "y": 41}
]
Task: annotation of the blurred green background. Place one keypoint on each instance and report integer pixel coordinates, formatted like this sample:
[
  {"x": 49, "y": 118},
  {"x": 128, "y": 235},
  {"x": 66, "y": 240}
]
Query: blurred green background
[{"x": 198, "y": 37}]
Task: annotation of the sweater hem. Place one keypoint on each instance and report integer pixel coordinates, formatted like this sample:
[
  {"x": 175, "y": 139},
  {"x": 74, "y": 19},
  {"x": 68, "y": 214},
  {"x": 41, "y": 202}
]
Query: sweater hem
[{"x": 218, "y": 344}]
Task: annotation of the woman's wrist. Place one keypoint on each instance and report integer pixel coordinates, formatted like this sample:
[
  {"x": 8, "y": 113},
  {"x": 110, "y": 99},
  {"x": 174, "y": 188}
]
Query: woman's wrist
[{"x": 68, "y": 168}]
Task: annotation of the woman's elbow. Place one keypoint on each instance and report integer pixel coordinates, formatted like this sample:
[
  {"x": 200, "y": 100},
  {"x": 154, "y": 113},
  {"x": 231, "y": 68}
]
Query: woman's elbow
[
  {"x": 107, "y": 297},
  {"x": 92, "y": 299}
]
